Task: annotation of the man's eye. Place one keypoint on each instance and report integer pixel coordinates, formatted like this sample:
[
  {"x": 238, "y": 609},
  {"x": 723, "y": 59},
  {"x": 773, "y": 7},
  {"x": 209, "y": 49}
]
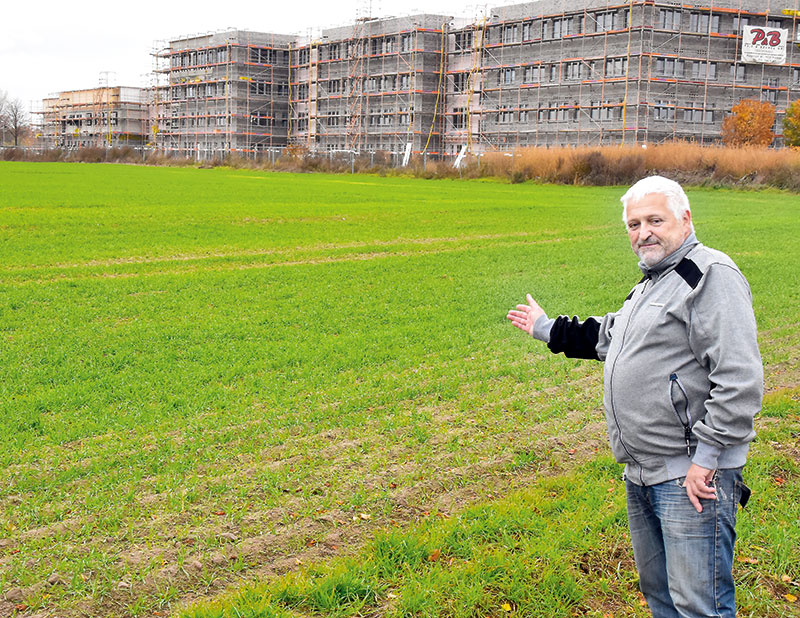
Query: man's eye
[{"x": 633, "y": 226}]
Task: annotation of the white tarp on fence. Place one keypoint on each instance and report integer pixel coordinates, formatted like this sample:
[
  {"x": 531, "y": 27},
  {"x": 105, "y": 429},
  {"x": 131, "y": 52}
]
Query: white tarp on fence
[{"x": 764, "y": 45}]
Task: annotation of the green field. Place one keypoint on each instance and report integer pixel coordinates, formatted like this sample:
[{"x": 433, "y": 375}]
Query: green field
[{"x": 216, "y": 378}]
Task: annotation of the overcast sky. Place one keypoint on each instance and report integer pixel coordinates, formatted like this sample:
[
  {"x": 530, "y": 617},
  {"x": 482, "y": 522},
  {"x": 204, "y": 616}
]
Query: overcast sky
[{"x": 60, "y": 46}]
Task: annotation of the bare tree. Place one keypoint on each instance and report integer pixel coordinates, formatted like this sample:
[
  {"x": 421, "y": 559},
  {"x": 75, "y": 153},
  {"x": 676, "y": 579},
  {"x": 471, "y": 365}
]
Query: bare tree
[
  {"x": 14, "y": 119},
  {"x": 3, "y": 99}
]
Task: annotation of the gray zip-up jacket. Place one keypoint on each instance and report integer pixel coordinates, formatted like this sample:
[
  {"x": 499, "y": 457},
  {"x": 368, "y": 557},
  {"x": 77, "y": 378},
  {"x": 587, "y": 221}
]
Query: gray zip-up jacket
[{"x": 683, "y": 375}]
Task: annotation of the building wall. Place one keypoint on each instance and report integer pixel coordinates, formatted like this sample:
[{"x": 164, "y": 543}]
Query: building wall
[
  {"x": 550, "y": 72},
  {"x": 560, "y": 73},
  {"x": 224, "y": 92},
  {"x": 375, "y": 86},
  {"x": 104, "y": 117}
]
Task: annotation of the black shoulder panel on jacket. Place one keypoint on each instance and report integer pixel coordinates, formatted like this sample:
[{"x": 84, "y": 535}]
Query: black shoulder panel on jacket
[
  {"x": 574, "y": 339},
  {"x": 689, "y": 271}
]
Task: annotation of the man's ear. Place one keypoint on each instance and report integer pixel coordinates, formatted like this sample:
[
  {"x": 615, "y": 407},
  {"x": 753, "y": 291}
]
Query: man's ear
[{"x": 687, "y": 219}]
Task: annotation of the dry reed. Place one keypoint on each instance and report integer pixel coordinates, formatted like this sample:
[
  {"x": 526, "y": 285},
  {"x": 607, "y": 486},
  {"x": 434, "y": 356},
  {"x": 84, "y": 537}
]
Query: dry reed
[
  {"x": 600, "y": 165},
  {"x": 685, "y": 162}
]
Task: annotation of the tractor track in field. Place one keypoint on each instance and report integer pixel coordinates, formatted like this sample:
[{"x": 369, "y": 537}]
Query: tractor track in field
[
  {"x": 217, "y": 262},
  {"x": 299, "y": 249}
]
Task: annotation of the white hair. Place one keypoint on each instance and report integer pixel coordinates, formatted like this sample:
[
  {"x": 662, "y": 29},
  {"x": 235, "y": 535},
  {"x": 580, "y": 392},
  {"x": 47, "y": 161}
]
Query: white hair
[{"x": 677, "y": 201}]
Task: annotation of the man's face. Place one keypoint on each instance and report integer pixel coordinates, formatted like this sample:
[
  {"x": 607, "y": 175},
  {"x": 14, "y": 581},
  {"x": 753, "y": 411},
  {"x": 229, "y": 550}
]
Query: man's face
[{"x": 654, "y": 231}]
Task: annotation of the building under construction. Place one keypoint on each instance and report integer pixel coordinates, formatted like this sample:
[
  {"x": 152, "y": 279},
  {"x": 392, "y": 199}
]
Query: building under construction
[
  {"x": 542, "y": 73},
  {"x": 378, "y": 85},
  {"x": 104, "y": 117},
  {"x": 598, "y": 72},
  {"x": 221, "y": 93}
]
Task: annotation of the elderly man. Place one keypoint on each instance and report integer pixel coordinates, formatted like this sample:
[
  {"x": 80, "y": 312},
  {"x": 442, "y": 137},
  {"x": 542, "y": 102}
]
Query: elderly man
[{"x": 683, "y": 380}]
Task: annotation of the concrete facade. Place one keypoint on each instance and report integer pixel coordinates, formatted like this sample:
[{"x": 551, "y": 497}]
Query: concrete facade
[
  {"x": 375, "y": 86},
  {"x": 549, "y": 72},
  {"x": 104, "y": 117},
  {"x": 556, "y": 72},
  {"x": 223, "y": 93}
]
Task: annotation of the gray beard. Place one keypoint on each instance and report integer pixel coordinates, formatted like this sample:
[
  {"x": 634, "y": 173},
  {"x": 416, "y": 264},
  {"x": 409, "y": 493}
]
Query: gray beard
[{"x": 649, "y": 258}]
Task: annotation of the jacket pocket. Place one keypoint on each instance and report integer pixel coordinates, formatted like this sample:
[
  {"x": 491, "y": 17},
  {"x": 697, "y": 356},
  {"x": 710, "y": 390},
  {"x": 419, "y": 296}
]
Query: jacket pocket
[{"x": 680, "y": 405}]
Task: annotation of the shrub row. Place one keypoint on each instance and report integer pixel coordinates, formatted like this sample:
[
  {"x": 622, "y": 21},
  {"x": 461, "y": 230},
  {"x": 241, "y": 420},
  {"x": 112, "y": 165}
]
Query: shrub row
[
  {"x": 90, "y": 154},
  {"x": 606, "y": 165}
]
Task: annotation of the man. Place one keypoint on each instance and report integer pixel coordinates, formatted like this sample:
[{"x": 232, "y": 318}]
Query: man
[{"x": 683, "y": 380}]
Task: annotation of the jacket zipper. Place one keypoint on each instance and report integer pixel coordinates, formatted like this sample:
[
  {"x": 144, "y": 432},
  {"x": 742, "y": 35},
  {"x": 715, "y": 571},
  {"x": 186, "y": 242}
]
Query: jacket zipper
[{"x": 611, "y": 384}]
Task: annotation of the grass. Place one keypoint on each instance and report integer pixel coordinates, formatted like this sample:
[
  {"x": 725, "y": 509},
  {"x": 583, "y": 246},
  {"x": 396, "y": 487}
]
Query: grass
[
  {"x": 557, "y": 548},
  {"x": 506, "y": 557},
  {"x": 210, "y": 376}
]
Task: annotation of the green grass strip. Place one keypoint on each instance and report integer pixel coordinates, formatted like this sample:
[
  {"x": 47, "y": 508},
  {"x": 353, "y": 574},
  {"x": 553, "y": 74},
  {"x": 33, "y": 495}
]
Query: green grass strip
[{"x": 558, "y": 548}]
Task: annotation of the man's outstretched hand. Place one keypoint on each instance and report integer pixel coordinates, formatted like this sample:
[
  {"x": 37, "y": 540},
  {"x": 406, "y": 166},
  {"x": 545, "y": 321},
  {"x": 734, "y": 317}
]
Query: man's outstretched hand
[{"x": 525, "y": 316}]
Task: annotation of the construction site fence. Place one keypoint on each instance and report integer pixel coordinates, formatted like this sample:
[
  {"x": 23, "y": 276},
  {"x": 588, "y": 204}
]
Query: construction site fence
[{"x": 290, "y": 155}]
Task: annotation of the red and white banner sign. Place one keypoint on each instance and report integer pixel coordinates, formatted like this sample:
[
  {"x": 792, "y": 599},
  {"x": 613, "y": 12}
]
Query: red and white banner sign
[{"x": 764, "y": 45}]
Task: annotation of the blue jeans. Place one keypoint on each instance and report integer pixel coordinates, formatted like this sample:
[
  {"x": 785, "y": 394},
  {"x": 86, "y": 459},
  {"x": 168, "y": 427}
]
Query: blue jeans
[{"x": 684, "y": 558}]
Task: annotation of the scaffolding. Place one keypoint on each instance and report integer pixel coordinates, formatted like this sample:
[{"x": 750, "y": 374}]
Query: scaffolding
[
  {"x": 554, "y": 72},
  {"x": 549, "y": 72},
  {"x": 354, "y": 88},
  {"x": 372, "y": 87},
  {"x": 103, "y": 117},
  {"x": 226, "y": 92},
  {"x": 303, "y": 70}
]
